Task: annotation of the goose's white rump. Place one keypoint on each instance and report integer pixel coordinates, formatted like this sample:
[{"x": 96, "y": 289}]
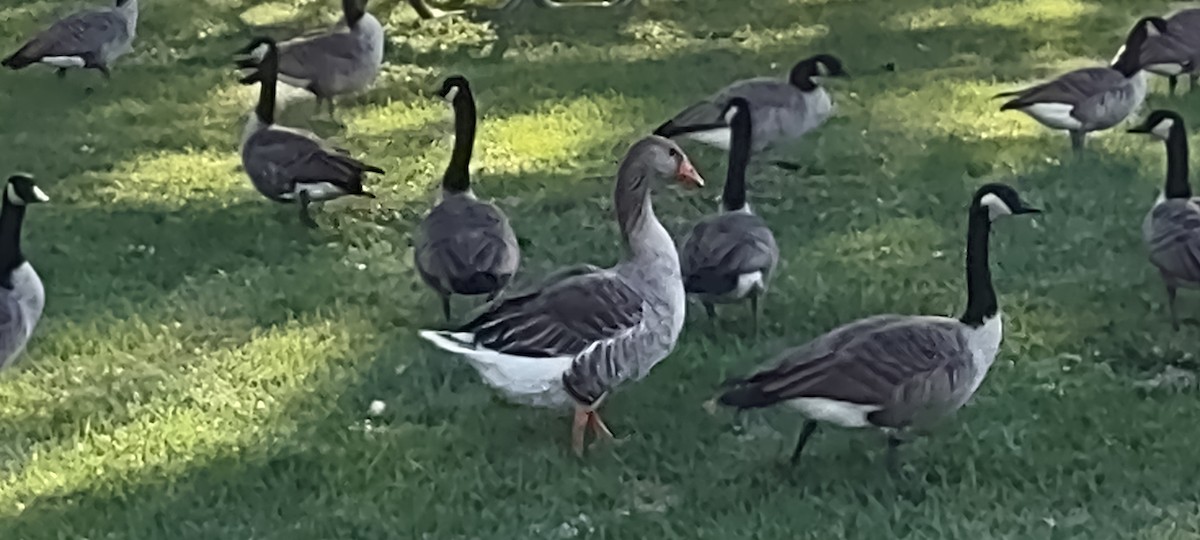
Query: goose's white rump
[{"x": 536, "y": 382}]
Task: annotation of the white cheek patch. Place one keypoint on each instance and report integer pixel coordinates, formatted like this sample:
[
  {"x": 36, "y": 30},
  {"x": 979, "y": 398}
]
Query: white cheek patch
[
  {"x": 995, "y": 206},
  {"x": 13, "y": 197},
  {"x": 1162, "y": 129},
  {"x": 259, "y": 52},
  {"x": 450, "y": 95},
  {"x": 1152, "y": 30},
  {"x": 40, "y": 195},
  {"x": 1117, "y": 56},
  {"x": 822, "y": 69},
  {"x": 731, "y": 114}
]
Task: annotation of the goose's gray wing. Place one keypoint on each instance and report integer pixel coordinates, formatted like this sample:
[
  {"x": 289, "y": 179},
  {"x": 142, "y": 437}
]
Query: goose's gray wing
[
  {"x": 1072, "y": 88},
  {"x": 1172, "y": 235},
  {"x": 763, "y": 93},
  {"x": 296, "y": 157},
  {"x": 466, "y": 246},
  {"x": 722, "y": 248},
  {"x": 901, "y": 365},
  {"x": 1167, "y": 49},
  {"x": 82, "y": 34},
  {"x": 596, "y": 318},
  {"x": 318, "y": 58},
  {"x": 12, "y": 328}
]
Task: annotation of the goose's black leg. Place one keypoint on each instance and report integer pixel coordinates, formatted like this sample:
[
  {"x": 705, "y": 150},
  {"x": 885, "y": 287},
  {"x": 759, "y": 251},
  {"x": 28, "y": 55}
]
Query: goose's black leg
[
  {"x": 61, "y": 72},
  {"x": 710, "y": 310},
  {"x": 1172, "y": 82},
  {"x": 1171, "y": 306},
  {"x": 754, "y": 313},
  {"x": 1077, "y": 141},
  {"x": 892, "y": 459},
  {"x": 806, "y": 432},
  {"x": 1192, "y": 77},
  {"x": 303, "y": 200},
  {"x": 104, "y": 71}
]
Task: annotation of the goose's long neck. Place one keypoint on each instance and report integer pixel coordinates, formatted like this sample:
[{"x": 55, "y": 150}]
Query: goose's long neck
[
  {"x": 1128, "y": 62},
  {"x": 641, "y": 232},
  {"x": 458, "y": 176},
  {"x": 733, "y": 198},
  {"x": 11, "y": 218},
  {"x": 981, "y": 297},
  {"x": 265, "y": 110},
  {"x": 1177, "y": 165}
]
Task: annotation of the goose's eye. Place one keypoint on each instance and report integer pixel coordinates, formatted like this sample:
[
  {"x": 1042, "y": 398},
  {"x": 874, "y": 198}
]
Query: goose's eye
[{"x": 673, "y": 153}]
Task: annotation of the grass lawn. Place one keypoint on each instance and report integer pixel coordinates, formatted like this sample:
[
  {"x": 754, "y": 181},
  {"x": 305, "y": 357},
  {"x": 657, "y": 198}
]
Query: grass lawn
[{"x": 205, "y": 364}]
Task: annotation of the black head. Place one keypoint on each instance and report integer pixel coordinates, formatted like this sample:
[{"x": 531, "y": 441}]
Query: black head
[
  {"x": 821, "y": 65},
  {"x": 353, "y": 10},
  {"x": 454, "y": 86},
  {"x": 22, "y": 191},
  {"x": 735, "y": 108},
  {"x": 999, "y": 200},
  {"x": 264, "y": 55},
  {"x": 122, "y": 2},
  {"x": 1159, "y": 124},
  {"x": 1152, "y": 26}
]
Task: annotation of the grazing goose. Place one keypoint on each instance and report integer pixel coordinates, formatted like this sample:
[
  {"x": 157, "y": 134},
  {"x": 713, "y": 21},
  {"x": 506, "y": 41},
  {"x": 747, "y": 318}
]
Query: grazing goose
[
  {"x": 90, "y": 39},
  {"x": 291, "y": 165},
  {"x": 781, "y": 109},
  {"x": 1090, "y": 99},
  {"x": 21, "y": 293},
  {"x": 464, "y": 246},
  {"x": 1171, "y": 229},
  {"x": 573, "y": 340},
  {"x": 730, "y": 256},
  {"x": 1176, "y": 52},
  {"x": 344, "y": 60},
  {"x": 893, "y": 372}
]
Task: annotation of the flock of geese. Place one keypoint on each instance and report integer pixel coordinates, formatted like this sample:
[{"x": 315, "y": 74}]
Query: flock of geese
[{"x": 582, "y": 332}]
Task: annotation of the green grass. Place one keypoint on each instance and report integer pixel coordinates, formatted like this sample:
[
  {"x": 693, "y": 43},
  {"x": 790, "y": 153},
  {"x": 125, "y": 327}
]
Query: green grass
[{"x": 205, "y": 364}]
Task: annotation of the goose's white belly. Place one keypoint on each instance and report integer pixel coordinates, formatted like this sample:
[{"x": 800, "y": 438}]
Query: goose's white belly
[
  {"x": 30, "y": 299},
  {"x": 839, "y": 413},
  {"x": 984, "y": 343}
]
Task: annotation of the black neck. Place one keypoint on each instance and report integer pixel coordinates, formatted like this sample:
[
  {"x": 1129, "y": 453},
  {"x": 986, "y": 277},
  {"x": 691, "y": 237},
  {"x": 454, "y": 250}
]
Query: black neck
[
  {"x": 734, "y": 196},
  {"x": 266, "y": 88},
  {"x": 352, "y": 11},
  {"x": 458, "y": 177},
  {"x": 981, "y": 298},
  {"x": 802, "y": 75},
  {"x": 1177, "y": 164},
  {"x": 11, "y": 217},
  {"x": 1130, "y": 62}
]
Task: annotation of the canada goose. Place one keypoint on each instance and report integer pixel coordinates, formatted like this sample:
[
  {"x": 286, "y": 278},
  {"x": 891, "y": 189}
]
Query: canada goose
[
  {"x": 21, "y": 294},
  {"x": 731, "y": 256},
  {"x": 1090, "y": 99},
  {"x": 291, "y": 165},
  {"x": 344, "y": 60},
  {"x": 1176, "y": 52},
  {"x": 781, "y": 109},
  {"x": 1171, "y": 229},
  {"x": 464, "y": 246},
  {"x": 575, "y": 339},
  {"x": 893, "y": 372},
  {"x": 90, "y": 39}
]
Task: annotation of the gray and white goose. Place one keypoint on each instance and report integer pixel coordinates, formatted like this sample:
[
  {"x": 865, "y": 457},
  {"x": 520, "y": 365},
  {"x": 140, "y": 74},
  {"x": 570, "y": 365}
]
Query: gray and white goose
[
  {"x": 782, "y": 109},
  {"x": 893, "y": 372},
  {"x": 1177, "y": 51},
  {"x": 21, "y": 294},
  {"x": 464, "y": 246},
  {"x": 91, "y": 39},
  {"x": 573, "y": 340},
  {"x": 1090, "y": 99},
  {"x": 343, "y": 60},
  {"x": 1171, "y": 229},
  {"x": 730, "y": 257},
  {"x": 290, "y": 165}
]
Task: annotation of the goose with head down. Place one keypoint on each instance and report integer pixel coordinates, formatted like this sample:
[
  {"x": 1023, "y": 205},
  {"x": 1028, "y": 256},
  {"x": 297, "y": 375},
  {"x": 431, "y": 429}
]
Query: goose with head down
[
  {"x": 897, "y": 373},
  {"x": 1171, "y": 229},
  {"x": 730, "y": 257},
  {"x": 343, "y": 60},
  {"x": 573, "y": 340},
  {"x": 1175, "y": 52},
  {"x": 290, "y": 165},
  {"x": 1090, "y": 99},
  {"x": 464, "y": 246}
]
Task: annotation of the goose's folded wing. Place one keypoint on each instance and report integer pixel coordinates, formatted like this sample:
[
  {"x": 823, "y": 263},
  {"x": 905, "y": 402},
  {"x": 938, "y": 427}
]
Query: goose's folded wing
[
  {"x": 313, "y": 57},
  {"x": 12, "y": 328},
  {"x": 464, "y": 239},
  {"x": 724, "y": 247},
  {"x": 875, "y": 361},
  {"x": 79, "y": 34},
  {"x": 1173, "y": 238},
  {"x": 1071, "y": 88},
  {"x": 563, "y": 319},
  {"x": 762, "y": 93},
  {"x": 304, "y": 159}
]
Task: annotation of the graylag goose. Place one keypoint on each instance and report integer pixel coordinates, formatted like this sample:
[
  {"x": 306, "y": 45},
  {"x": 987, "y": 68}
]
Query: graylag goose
[
  {"x": 289, "y": 165},
  {"x": 344, "y": 60},
  {"x": 1090, "y": 99},
  {"x": 730, "y": 256},
  {"x": 781, "y": 109},
  {"x": 464, "y": 246},
  {"x": 893, "y": 372},
  {"x": 91, "y": 39},
  {"x": 1171, "y": 229},
  {"x": 21, "y": 294},
  {"x": 572, "y": 341},
  {"x": 1176, "y": 52}
]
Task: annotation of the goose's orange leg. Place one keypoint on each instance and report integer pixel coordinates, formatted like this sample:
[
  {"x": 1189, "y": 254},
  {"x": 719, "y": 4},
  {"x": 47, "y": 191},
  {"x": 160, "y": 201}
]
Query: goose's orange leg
[
  {"x": 598, "y": 426},
  {"x": 577, "y": 430}
]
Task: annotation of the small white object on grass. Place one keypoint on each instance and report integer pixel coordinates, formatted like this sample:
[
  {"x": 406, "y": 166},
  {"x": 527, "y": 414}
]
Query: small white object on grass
[{"x": 377, "y": 408}]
